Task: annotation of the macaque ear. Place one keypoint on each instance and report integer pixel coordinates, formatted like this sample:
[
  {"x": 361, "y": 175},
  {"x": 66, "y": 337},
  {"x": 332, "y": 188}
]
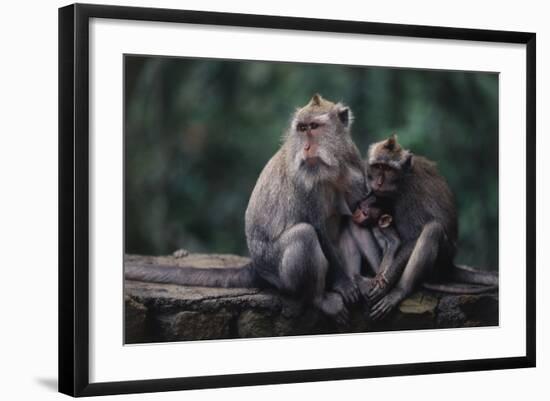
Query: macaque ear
[
  {"x": 344, "y": 116},
  {"x": 408, "y": 162},
  {"x": 385, "y": 220}
]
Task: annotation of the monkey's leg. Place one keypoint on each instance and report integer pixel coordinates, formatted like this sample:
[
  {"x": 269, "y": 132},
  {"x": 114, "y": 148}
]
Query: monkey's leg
[
  {"x": 420, "y": 264},
  {"x": 304, "y": 266}
]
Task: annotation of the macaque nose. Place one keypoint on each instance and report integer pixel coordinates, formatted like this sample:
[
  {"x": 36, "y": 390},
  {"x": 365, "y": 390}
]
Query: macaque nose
[{"x": 310, "y": 152}]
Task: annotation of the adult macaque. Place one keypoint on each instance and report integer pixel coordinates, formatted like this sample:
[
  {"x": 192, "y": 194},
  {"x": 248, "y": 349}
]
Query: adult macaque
[
  {"x": 425, "y": 217},
  {"x": 293, "y": 219}
]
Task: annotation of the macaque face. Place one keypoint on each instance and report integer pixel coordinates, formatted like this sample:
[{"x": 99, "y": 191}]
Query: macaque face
[
  {"x": 368, "y": 213},
  {"x": 382, "y": 179},
  {"x": 318, "y": 142},
  {"x": 313, "y": 132}
]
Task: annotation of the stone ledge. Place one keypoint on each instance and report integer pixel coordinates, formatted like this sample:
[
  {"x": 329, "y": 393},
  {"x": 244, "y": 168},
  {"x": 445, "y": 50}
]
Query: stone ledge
[{"x": 166, "y": 312}]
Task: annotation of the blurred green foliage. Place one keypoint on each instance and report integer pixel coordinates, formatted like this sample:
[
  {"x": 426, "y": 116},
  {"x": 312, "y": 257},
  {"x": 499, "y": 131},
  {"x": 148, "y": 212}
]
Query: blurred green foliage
[{"x": 198, "y": 133}]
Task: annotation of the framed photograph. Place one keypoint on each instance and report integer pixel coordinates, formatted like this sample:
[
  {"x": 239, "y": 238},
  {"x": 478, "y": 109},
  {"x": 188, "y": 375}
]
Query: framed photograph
[{"x": 251, "y": 199}]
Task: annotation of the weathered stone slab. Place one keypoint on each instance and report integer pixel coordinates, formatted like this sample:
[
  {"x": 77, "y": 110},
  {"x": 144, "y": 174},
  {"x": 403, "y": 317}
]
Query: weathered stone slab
[
  {"x": 189, "y": 325},
  {"x": 166, "y": 312},
  {"x": 134, "y": 321},
  {"x": 468, "y": 310}
]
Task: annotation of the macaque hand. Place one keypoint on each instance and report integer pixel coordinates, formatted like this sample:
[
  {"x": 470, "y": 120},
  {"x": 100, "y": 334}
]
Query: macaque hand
[
  {"x": 387, "y": 304},
  {"x": 348, "y": 290},
  {"x": 374, "y": 288}
]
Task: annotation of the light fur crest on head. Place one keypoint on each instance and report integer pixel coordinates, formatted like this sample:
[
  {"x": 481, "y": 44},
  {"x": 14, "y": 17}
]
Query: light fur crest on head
[
  {"x": 316, "y": 100},
  {"x": 389, "y": 152},
  {"x": 320, "y": 105}
]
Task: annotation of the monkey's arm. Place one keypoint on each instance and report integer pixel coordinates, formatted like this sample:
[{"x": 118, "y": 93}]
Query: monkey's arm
[
  {"x": 391, "y": 244},
  {"x": 358, "y": 187},
  {"x": 340, "y": 282},
  {"x": 351, "y": 252},
  {"x": 367, "y": 244},
  {"x": 394, "y": 260}
]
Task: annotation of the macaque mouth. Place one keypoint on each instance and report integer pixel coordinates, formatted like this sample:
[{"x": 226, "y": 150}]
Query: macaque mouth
[{"x": 313, "y": 161}]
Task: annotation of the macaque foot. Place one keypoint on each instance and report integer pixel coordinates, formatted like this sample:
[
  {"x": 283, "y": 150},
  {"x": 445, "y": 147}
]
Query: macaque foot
[
  {"x": 348, "y": 290},
  {"x": 332, "y": 305},
  {"x": 388, "y": 303}
]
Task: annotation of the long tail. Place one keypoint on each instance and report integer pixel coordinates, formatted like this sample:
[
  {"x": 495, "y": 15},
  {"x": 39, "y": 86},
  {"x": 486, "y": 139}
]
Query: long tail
[
  {"x": 466, "y": 274},
  {"x": 220, "y": 277},
  {"x": 459, "y": 288},
  {"x": 466, "y": 280}
]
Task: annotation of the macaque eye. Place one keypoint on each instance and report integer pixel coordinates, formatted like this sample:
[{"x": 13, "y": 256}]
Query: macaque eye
[
  {"x": 301, "y": 127},
  {"x": 313, "y": 125}
]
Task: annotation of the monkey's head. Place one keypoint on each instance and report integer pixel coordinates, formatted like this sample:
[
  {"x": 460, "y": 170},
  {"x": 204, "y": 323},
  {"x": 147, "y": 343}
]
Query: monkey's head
[
  {"x": 372, "y": 211},
  {"x": 319, "y": 141},
  {"x": 387, "y": 162}
]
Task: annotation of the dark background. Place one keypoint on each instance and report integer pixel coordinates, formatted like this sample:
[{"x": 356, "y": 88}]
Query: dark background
[{"x": 198, "y": 133}]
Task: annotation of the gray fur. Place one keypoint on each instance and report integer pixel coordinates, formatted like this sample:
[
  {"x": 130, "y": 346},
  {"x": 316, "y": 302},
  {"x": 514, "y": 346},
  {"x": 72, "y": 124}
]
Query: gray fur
[
  {"x": 217, "y": 277},
  {"x": 426, "y": 221},
  {"x": 291, "y": 194},
  {"x": 424, "y": 196}
]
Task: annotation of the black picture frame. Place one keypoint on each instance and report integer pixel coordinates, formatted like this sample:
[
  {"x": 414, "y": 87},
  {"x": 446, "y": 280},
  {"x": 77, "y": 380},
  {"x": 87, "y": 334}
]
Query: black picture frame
[{"x": 74, "y": 198}]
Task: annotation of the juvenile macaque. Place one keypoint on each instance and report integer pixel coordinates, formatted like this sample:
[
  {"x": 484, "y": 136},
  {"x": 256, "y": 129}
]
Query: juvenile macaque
[
  {"x": 376, "y": 213},
  {"x": 425, "y": 219},
  {"x": 293, "y": 220}
]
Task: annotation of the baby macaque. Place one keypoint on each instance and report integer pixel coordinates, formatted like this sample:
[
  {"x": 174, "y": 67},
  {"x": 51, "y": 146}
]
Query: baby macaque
[
  {"x": 376, "y": 213},
  {"x": 373, "y": 212}
]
